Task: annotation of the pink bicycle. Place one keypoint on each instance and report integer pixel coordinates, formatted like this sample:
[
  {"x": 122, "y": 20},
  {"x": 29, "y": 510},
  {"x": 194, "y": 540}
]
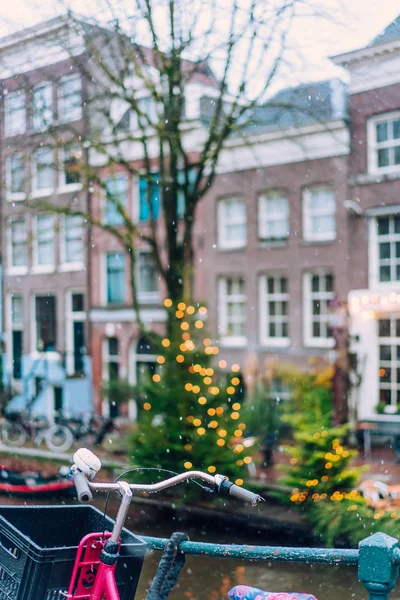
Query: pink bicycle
[{"x": 40, "y": 546}]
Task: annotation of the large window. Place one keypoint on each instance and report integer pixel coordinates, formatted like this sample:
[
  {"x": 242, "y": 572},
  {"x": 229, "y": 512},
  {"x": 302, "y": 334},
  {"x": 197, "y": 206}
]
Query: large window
[
  {"x": 389, "y": 360},
  {"x": 17, "y": 327},
  {"x": 42, "y": 107},
  {"x": 46, "y": 323},
  {"x": 147, "y": 277},
  {"x": 14, "y": 113},
  {"x": 42, "y": 180},
  {"x": 232, "y": 223},
  {"x": 319, "y": 209},
  {"x": 71, "y": 166},
  {"x": 149, "y": 198},
  {"x": 384, "y": 143},
  {"x": 232, "y": 310},
  {"x": 70, "y": 98},
  {"x": 115, "y": 276},
  {"x": 273, "y": 217},
  {"x": 18, "y": 257},
  {"x": 385, "y": 249},
  {"x": 116, "y": 192},
  {"x": 318, "y": 292},
  {"x": 44, "y": 241},
  {"x": 149, "y": 116},
  {"x": 15, "y": 176},
  {"x": 274, "y": 308},
  {"x": 72, "y": 245}
]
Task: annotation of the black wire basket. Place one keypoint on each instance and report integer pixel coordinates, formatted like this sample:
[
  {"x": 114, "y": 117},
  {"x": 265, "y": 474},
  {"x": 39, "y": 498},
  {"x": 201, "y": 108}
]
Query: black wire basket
[{"x": 38, "y": 546}]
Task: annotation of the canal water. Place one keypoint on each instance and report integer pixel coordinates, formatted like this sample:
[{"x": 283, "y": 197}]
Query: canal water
[{"x": 206, "y": 578}]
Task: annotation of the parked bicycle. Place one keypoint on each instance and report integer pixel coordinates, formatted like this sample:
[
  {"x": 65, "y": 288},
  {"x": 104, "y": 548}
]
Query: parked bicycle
[
  {"x": 57, "y": 438},
  {"x": 44, "y": 556},
  {"x": 12, "y": 433}
]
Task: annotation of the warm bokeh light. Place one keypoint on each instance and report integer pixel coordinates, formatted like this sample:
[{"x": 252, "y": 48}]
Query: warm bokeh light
[
  {"x": 188, "y": 447},
  {"x": 235, "y": 368},
  {"x": 206, "y": 341},
  {"x": 230, "y": 390},
  {"x": 197, "y": 368},
  {"x": 238, "y": 448},
  {"x": 202, "y": 310},
  {"x": 156, "y": 378},
  {"x": 187, "y": 465},
  {"x": 160, "y": 360},
  {"x": 242, "y": 426},
  {"x": 222, "y": 364},
  {"x": 188, "y": 387},
  {"x": 202, "y": 400},
  {"x": 235, "y": 381},
  {"x": 239, "y": 482},
  {"x": 197, "y": 422},
  {"x": 214, "y": 390},
  {"x": 207, "y": 380},
  {"x": 184, "y": 325},
  {"x": 220, "y": 442},
  {"x": 236, "y": 406},
  {"x": 199, "y": 324},
  {"x": 179, "y": 314},
  {"x": 213, "y": 424},
  {"x": 180, "y": 358},
  {"x": 222, "y": 433},
  {"x": 166, "y": 343},
  {"x": 208, "y": 350},
  {"x": 186, "y": 336},
  {"x": 211, "y": 469},
  {"x": 238, "y": 433},
  {"x": 196, "y": 389},
  {"x": 181, "y": 306},
  {"x": 183, "y": 348},
  {"x": 210, "y": 372},
  {"x": 219, "y": 410},
  {"x": 235, "y": 416},
  {"x": 211, "y": 412},
  {"x": 201, "y": 431},
  {"x": 147, "y": 406},
  {"x": 167, "y": 302},
  {"x": 247, "y": 460},
  {"x": 190, "y": 310}
]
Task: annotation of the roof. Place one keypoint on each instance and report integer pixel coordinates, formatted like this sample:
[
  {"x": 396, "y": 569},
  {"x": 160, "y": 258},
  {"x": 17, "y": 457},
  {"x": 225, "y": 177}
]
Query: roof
[
  {"x": 305, "y": 104},
  {"x": 391, "y": 33}
]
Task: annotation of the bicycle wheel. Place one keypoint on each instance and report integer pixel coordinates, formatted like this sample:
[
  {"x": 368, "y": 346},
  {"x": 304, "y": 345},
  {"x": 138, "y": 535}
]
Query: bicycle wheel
[
  {"x": 14, "y": 434},
  {"x": 58, "y": 438}
]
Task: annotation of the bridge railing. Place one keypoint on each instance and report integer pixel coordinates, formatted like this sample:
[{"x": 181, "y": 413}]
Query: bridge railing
[{"x": 378, "y": 558}]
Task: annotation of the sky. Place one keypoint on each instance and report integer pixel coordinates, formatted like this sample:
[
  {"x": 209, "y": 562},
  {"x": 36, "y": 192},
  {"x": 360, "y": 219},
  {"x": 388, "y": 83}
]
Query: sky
[{"x": 353, "y": 26}]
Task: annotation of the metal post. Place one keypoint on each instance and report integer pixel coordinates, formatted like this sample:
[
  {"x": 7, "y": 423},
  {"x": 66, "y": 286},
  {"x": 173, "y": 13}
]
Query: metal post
[{"x": 377, "y": 568}]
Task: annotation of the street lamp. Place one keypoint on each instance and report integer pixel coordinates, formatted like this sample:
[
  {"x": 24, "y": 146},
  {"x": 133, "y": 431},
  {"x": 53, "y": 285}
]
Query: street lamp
[{"x": 337, "y": 321}]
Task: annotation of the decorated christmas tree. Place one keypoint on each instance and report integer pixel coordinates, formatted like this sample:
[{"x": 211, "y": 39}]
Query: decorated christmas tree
[{"x": 190, "y": 411}]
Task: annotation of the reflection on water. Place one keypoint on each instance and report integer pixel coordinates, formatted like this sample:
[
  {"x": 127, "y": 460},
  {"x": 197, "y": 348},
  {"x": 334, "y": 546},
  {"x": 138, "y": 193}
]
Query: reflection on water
[{"x": 206, "y": 578}]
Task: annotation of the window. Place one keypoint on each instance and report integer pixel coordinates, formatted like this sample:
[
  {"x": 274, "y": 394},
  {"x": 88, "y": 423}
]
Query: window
[
  {"x": 72, "y": 246},
  {"x": 389, "y": 360},
  {"x": 144, "y": 200},
  {"x": 115, "y": 266},
  {"x": 116, "y": 191},
  {"x": 70, "y": 98},
  {"x": 147, "y": 280},
  {"x": 43, "y": 171},
  {"x": 232, "y": 311},
  {"x": 273, "y": 217},
  {"x": 18, "y": 257},
  {"x": 111, "y": 360},
  {"x": 274, "y": 303},
  {"x": 232, "y": 223},
  {"x": 71, "y": 167},
  {"x": 42, "y": 107},
  {"x": 14, "y": 113},
  {"x": 46, "y": 323},
  {"x": 44, "y": 241},
  {"x": 318, "y": 292},
  {"x": 385, "y": 249},
  {"x": 384, "y": 143},
  {"x": 17, "y": 326},
  {"x": 149, "y": 109},
  {"x": 319, "y": 208},
  {"x": 15, "y": 175}
]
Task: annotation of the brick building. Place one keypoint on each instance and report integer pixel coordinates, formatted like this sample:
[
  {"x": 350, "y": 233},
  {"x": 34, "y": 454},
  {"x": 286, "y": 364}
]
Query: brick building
[{"x": 303, "y": 210}]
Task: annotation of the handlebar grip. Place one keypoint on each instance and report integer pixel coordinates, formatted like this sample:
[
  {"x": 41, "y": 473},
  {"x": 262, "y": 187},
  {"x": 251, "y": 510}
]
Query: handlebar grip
[
  {"x": 243, "y": 494},
  {"x": 82, "y": 487}
]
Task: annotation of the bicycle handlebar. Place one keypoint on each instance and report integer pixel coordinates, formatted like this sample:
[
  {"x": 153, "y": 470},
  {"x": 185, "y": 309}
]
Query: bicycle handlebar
[{"x": 91, "y": 464}]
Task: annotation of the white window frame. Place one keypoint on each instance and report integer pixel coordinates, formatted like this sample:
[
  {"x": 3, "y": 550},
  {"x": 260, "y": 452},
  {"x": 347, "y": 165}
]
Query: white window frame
[
  {"x": 229, "y": 340},
  {"x": 308, "y": 234},
  {"x": 104, "y": 279},
  {"x": 33, "y": 329},
  {"x": 373, "y": 145},
  {"x": 11, "y": 269},
  {"x": 63, "y": 186},
  {"x": 42, "y": 126},
  {"x": 309, "y": 340},
  {"x": 11, "y": 129},
  {"x": 66, "y": 266},
  {"x": 264, "y": 217},
  {"x": 393, "y": 364},
  {"x": 12, "y": 327},
  {"x": 223, "y": 243},
  {"x": 264, "y": 299},
  {"x": 104, "y": 199},
  {"x": 78, "y": 114},
  {"x": 36, "y": 192},
  {"x": 70, "y": 318},
  {"x": 10, "y": 195},
  {"x": 373, "y": 248},
  {"x": 145, "y": 297},
  {"x": 36, "y": 267}
]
